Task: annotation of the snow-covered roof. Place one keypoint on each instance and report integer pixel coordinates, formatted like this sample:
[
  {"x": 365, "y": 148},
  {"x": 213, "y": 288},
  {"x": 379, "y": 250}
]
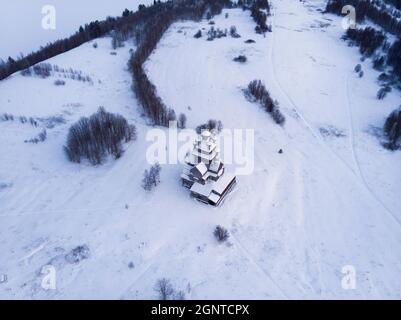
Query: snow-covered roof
[
  {"x": 202, "y": 189},
  {"x": 215, "y": 166},
  {"x": 201, "y": 168},
  {"x": 214, "y": 197},
  {"x": 217, "y": 187},
  {"x": 220, "y": 185}
]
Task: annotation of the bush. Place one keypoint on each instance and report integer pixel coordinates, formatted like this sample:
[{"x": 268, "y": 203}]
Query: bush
[
  {"x": 182, "y": 121},
  {"x": 40, "y": 138},
  {"x": 164, "y": 288},
  {"x": 382, "y": 93},
  {"x": 240, "y": 58},
  {"x": 43, "y": 70},
  {"x": 378, "y": 63},
  {"x": 257, "y": 90},
  {"x": 221, "y": 234},
  {"x": 250, "y": 41},
  {"x": 215, "y": 33},
  {"x": 59, "y": 82},
  {"x": 358, "y": 68},
  {"x": 95, "y": 137},
  {"x": 198, "y": 34},
  {"x": 151, "y": 178},
  {"x": 392, "y": 129},
  {"x": 233, "y": 32}
]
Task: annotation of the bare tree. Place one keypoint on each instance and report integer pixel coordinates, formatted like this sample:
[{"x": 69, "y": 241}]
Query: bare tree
[{"x": 164, "y": 288}]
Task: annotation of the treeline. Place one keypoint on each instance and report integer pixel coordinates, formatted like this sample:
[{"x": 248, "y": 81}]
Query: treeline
[
  {"x": 85, "y": 33},
  {"x": 260, "y": 10},
  {"x": 394, "y": 58},
  {"x": 151, "y": 33},
  {"x": 379, "y": 14},
  {"x": 368, "y": 39}
]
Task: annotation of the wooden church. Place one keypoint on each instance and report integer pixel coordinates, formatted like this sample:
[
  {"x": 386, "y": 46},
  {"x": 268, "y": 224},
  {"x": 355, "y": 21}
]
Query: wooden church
[{"x": 204, "y": 173}]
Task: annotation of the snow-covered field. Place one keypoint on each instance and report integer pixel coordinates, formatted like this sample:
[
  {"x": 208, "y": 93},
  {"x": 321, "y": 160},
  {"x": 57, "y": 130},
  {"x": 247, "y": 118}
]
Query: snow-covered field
[{"x": 295, "y": 222}]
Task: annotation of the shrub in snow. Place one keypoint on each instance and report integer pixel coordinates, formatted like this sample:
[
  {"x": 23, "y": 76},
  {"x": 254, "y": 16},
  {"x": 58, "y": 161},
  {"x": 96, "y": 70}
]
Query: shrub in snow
[
  {"x": 221, "y": 234},
  {"x": 215, "y": 33},
  {"x": 378, "y": 63},
  {"x": 26, "y": 72},
  {"x": 78, "y": 254},
  {"x": 95, "y": 137},
  {"x": 392, "y": 129},
  {"x": 277, "y": 116},
  {"x": 381, "y": 94},
  {"x": 151, "y": 178},
  {"x": 95, "y": 45},
  {"x": 358, "y": 68},
  {"x": 233, "y": 32},
  {"x": 198, "y": 34},
  {"x": 165, "y": 289},
  {"x": 240, "y": 58},
  {"x": 182, "y": 121},
  {"x": 360, "y": 74},
  {"x": 384, "y": 77},
  {"x": 40, "y": 138},
  {"x": 7, "y": 117},
  {"x": 43, "y": 70},
  {"x": 59, "y": 82},
  {"x": 250, "y": 41}
]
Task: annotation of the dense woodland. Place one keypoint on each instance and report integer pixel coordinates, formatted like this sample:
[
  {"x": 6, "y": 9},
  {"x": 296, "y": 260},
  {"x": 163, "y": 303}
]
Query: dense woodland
[
  {"x": 374, "y": 10},
  {"x": 368, "y": 40}
]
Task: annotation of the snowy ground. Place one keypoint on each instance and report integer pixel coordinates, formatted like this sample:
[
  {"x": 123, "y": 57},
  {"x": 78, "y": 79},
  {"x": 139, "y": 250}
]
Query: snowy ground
[{"x": 326, "y": 202}]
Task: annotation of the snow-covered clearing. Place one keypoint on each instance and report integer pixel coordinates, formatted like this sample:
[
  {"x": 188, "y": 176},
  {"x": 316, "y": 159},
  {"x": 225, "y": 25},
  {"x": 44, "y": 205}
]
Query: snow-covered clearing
[{"x": 325, "y": 203}]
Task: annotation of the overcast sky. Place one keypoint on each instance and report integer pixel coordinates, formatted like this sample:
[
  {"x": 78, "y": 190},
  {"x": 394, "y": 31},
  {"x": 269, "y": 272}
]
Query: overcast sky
[{"x": 21, "y": 20}]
